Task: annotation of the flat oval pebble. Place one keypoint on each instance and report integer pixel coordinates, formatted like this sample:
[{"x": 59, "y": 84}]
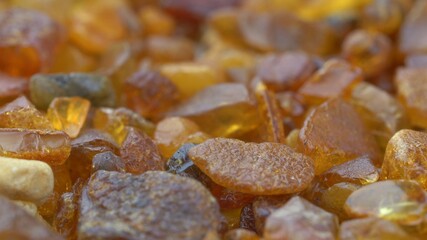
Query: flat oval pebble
[
  {"x": 259, "y": 169},
  {"x": 154, "y": 205}
]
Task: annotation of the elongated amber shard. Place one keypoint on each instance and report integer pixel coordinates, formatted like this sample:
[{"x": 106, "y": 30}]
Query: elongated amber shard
[
  {"x": 68, "y": 114},
  {"x": 190, "y": 78},
  {"x": 96, "y": 25},
  {"x": 380, "y": 111},
  {"x": 372, "y": 228},
  {"x": 299, "y": 219},
  {"x": 21, "y": 113},
  {"x": 411, "y": 91},
  {"x": 173, "y": 132},
  {"x": 336, "y": 78},
  {"x": 28, "y": 41},
  {"x": 52, "y": 147},
  {"x": 226, "y": 109},
  {"x": 404, "y": 157},
  {"x": 400, "y": 201},
  {"x": 115, "y": 121},
  {"x": 150, "y": 94},
  {"x": 155, "y": 21},
  {"x": 11, "y": 88},
  {"x": 413, "y": 33},
  {"x": 369, "y": 50},
  {"x": 161, "y": 50},
  {"x": 328, "y": 136}
]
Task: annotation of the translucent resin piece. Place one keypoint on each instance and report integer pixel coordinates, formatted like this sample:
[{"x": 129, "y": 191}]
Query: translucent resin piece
[{"x": 413, "y": 33}]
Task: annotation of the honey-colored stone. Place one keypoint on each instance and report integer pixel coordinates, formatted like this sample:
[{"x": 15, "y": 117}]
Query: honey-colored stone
[
  {"x": 413, "y": 33},
  {"x": 259, "y": 169},
  {"x": 28, "y": 41},
  {"x": 335, "y": 78},
  {"x": 411, "y": 85},
  {"x": 225, "y": 110},
  {"x": 115, "y": 121},
  {"x": 404, "y": 157},
  {"x": 25, "y": 180},
  {"x": 21, "y": 113},
  {"x": 299, "y": 219},
  {"x": 372, "y": 228},
  {"x": 68, "y": 114},
  {"x": 155, "y": 21},
  {"x": 384, "y": 16},
  {"x": 334, "y": 133},
  {"x": 191, "y": 78},
  {"x": 400, "y": 201},
  {"x": 380, "y": 111},
  {"x": 163, "y": 50},
  {"x": 52, "y": 147},
  {"x": 263, "y": 207},
  {"x": 72, "y": 59}
]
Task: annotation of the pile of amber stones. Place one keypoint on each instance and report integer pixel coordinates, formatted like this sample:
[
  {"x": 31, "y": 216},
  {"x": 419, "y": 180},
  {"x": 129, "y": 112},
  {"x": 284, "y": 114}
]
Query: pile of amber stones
[{"x": 213, "y": 119}]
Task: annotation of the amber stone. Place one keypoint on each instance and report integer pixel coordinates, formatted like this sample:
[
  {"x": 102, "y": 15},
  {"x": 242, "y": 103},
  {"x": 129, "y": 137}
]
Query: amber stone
[
  {"x": 68, "y": 114},
  {"x": 191, "y": 78},
  {"x": 360, "y": 171},
  {"x": 335, "y": 78},
  {"x": 262, "y": 208},
  {"x": 411, "y": 86},
  {"x": 240, "y": 234},
  {"x": 293, "y": 110},
  {"x": 21, "y": 113},
  {"x": 369, "y": 50},
  {"x": 52, "y": 147},
  {"x": 11, "y": 88},
  {"x": 384, "y": 16},
  {"x": 286, "y": 71},
  {"x": 150, "y": 94},
  {"x": 299, "y": 219},
  {"x": 195, "y": 9},
  {"x": 372, "y": 228},
  {"x": 381, "y": 112},
  {"x": 329, "y": 136},
  {"x": 162, "y": 50},
  {"x": 225, "y": 110},
  {"x": 96, "y": 88},
  {"x": 115, "y": 121},
  {"x": 96, "y": 25},
  {"x": 173, "y": 132},
  {"x": 156, "y": 21},
  {"x": 28, "y": 41},
  {"x": 108, "y": 161},
  {"x": 401, "y": 201},
  {"x": 404, "y": 157},
  {"x": 140, "y": 153},
  {"x": 141, "y": 202},
  {"x": 72, "y": 59},
  {"x": 259, "y": 169},
  {"x": 17, "y": 223},
  {"x": 84, "y": 148},
  {"x": 412, "y": 32},
  {"x": 271, "y": 115}
]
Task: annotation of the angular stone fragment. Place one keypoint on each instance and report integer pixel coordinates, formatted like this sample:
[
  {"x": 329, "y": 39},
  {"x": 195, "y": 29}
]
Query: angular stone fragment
[
  {"x": 380, "y": 111},
  {"x": 413, "y": 34},
  {"x": 405, "y": 157},
  {"x": 153, "y": 205},
  {"x": 173, "y": 132},
  {"x": 115, "y": 121},
  {"x": 247, "y": 219},
  {"x": 108, "y": 161},
  {"x": 181, "y": 164},
  {"x": 45, "y": 87},
  {"x": 372, "y": 228},
  {"x": 17, "y": 223},
  {"x": 68, "y": 114},
  {"x": 411, "y": 91},
  {"x": 299, "y": 219},
  {"x": 335, "y": 78},
  {"x": 149, "y": 93},
  {"x": 262, "y": 208},
  {"x": 25, "y": 180},
  {"x": 222, "y": 110},
  {"x": 400, "y": 201},
  {"x": 21, "y": 113},
  {"x": 286, "y": 71},
  {"x": 140, "y": 153},
  {"x": 333, "y": 133},
  {"x": 259, "y": 169},
  {"x": 28, "y": 41},
  {"x": 191, "y": 78},
  {"x": 52, "y": 147}
]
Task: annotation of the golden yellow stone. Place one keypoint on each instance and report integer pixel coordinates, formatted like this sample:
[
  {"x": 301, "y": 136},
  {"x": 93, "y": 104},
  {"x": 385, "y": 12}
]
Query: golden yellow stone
[{"x": 68, "y": 114}]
